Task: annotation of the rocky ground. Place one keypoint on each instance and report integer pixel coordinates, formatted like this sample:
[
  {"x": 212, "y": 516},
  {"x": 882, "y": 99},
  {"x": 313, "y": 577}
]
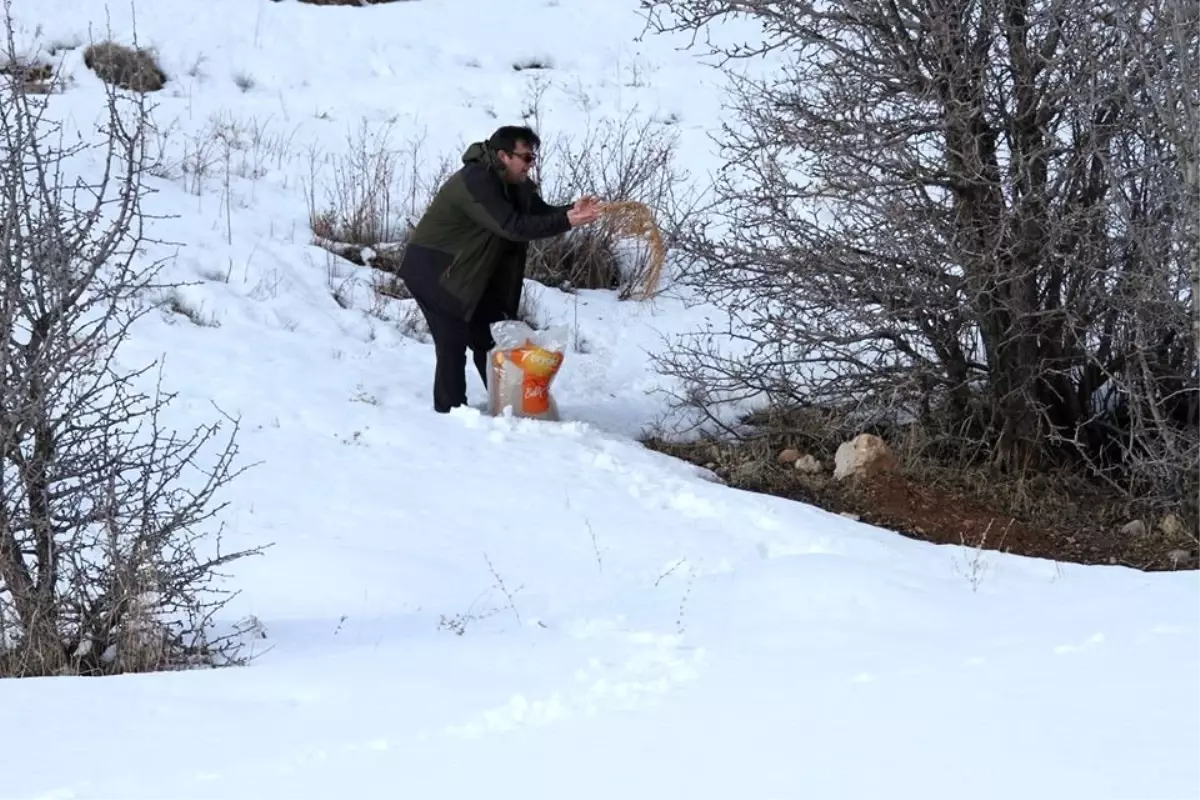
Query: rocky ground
[{"x": 864, "y": 479}]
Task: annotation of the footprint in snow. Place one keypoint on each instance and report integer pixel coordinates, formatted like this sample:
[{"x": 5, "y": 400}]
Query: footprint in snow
[
  {"x": 652, "y": 668},
  {"x": 690, "y": 505}
]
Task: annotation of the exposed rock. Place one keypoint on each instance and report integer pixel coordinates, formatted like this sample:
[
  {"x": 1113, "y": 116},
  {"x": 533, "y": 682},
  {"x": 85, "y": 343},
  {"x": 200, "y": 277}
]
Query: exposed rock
[
  {"x": 809, "y": 465},
  {"x": 1134, "y": 528},
  {"x": 863, "y": 456},
  {"x": 849, "y": 515},
  {"x": 789, "y": 456},
  {"x": 1179, "y": 558}
]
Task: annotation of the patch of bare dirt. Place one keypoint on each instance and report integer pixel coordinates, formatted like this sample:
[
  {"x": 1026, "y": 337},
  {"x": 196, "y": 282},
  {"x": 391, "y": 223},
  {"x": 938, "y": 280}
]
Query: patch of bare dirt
[
  {"x": 935, "y": 515},
  {"x": 1049, "y": 519}
]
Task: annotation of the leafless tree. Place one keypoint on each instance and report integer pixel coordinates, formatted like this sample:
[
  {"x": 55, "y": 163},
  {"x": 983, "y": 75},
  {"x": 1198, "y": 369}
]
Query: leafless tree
[
  {"x": 105, "y": 561},
  {"x": 1158, "y": 210},
  {"x": 982, "y": 213}
]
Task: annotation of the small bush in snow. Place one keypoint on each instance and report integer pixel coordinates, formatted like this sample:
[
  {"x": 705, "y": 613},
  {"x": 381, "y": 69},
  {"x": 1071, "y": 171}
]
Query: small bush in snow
[
  {"x": 374, "y": 193},
  {"x": 126, "y": 67},
  {"x": 413, "y": 325},
  {"x": 244, "y": 81},
  {"x": 584, "y": 258},
  {"x": 532, "y": 63},
  {"x": 621, "y": 161},
  {"x": 34, "y": 77},
  {"x": 175, "y": 303}
]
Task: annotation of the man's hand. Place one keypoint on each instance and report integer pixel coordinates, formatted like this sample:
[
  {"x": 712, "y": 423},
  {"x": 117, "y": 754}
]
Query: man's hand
[{"x": 585, "y": 211}]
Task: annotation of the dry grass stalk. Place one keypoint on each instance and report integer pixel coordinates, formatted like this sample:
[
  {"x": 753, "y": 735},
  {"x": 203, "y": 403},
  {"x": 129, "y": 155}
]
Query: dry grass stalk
[{"x": 631, "y": 218}]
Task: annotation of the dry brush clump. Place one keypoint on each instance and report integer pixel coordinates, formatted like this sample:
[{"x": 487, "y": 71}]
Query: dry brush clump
[
  {"x": 583, "y": 258},
  {"x": 30, "y": 76},
  {"x": 596, "y": 257},
  {"x": 131, "y": 68},
  {"x": 629, "y": 163},
  {"x": 108, "y": 562},
  {"x": 982, "y": 221},
  {"x": 374, "y": 193}
]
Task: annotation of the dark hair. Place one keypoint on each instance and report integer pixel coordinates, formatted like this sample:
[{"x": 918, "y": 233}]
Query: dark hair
[{"x": 505, "y": 139}]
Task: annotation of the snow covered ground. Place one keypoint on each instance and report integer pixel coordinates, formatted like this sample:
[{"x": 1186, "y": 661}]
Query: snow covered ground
[{"x": 465, "y": 606}]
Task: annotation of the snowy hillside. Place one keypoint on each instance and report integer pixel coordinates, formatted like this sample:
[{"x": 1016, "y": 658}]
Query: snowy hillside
[{"x": 466, "y": 606}]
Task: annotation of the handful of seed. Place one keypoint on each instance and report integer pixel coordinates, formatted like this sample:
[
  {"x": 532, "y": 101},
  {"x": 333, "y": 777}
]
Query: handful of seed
[{"x": 634, "y": 219}]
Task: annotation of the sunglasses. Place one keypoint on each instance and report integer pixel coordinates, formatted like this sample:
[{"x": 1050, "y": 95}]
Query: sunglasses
[{"x": 528, "y": 157}]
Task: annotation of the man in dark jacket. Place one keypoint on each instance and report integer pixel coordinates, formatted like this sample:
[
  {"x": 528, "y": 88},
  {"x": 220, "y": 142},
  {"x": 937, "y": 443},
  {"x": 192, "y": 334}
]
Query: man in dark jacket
[{"x": 465, "y": 260}]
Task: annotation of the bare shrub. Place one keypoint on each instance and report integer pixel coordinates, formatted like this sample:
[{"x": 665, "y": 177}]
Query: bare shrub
[
  {"x": 1148, "y": 352},
  {"x": 412, "y": 323},
  {"x": 105, "y": 561},
  {"x": 458, "y": 623},
  {"x": 35, "y": 77},
  {"x": 390, "y": 286},
  {"x": 175, "y": 303},
  {"x": 373, "y": 197},
  {"x": 244, "y": 81},
  {"x": 127, "y": 67},
  {"x": 595, "y": 257},
  {"x": 583, "y": 258},
  {"x": 532, "y": 62},
  {"x": 979, "y": 220},
  {"x": 373, "y": 200},
  {"x": 626, "y": 160},
  {"x": 223, "y": 148}
]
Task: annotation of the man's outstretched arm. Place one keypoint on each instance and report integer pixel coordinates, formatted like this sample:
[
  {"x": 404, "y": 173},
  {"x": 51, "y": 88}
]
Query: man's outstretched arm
[{"x": 486, "y": 204}]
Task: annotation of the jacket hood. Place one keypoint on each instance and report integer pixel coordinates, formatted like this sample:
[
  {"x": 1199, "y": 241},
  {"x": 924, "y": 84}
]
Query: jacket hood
[{"x": 480, "y": 153}]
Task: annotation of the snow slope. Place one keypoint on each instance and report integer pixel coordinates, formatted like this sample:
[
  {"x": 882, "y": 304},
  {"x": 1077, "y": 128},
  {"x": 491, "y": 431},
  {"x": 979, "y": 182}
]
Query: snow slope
[{"x": 466, "y": 606}]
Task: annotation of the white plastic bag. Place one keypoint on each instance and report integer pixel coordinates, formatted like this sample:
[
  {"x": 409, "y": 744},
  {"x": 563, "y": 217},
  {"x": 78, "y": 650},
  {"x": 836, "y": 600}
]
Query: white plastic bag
[{"x": 522, "y": 366}]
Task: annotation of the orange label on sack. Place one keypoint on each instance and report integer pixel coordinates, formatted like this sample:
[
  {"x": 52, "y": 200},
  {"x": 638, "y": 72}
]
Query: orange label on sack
[{"x": 538, "y": 367}]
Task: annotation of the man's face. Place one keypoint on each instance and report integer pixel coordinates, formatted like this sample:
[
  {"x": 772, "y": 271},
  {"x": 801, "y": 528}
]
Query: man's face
[{"x": 518, "y": 163}]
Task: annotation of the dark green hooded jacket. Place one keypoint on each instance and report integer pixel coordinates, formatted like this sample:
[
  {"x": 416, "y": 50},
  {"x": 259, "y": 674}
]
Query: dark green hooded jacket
[{"x": 466, "y": 257}]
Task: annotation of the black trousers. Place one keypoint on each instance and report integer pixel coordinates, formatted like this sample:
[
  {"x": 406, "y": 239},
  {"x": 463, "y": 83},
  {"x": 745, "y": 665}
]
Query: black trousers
[{"x": 452, "y": 337}]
